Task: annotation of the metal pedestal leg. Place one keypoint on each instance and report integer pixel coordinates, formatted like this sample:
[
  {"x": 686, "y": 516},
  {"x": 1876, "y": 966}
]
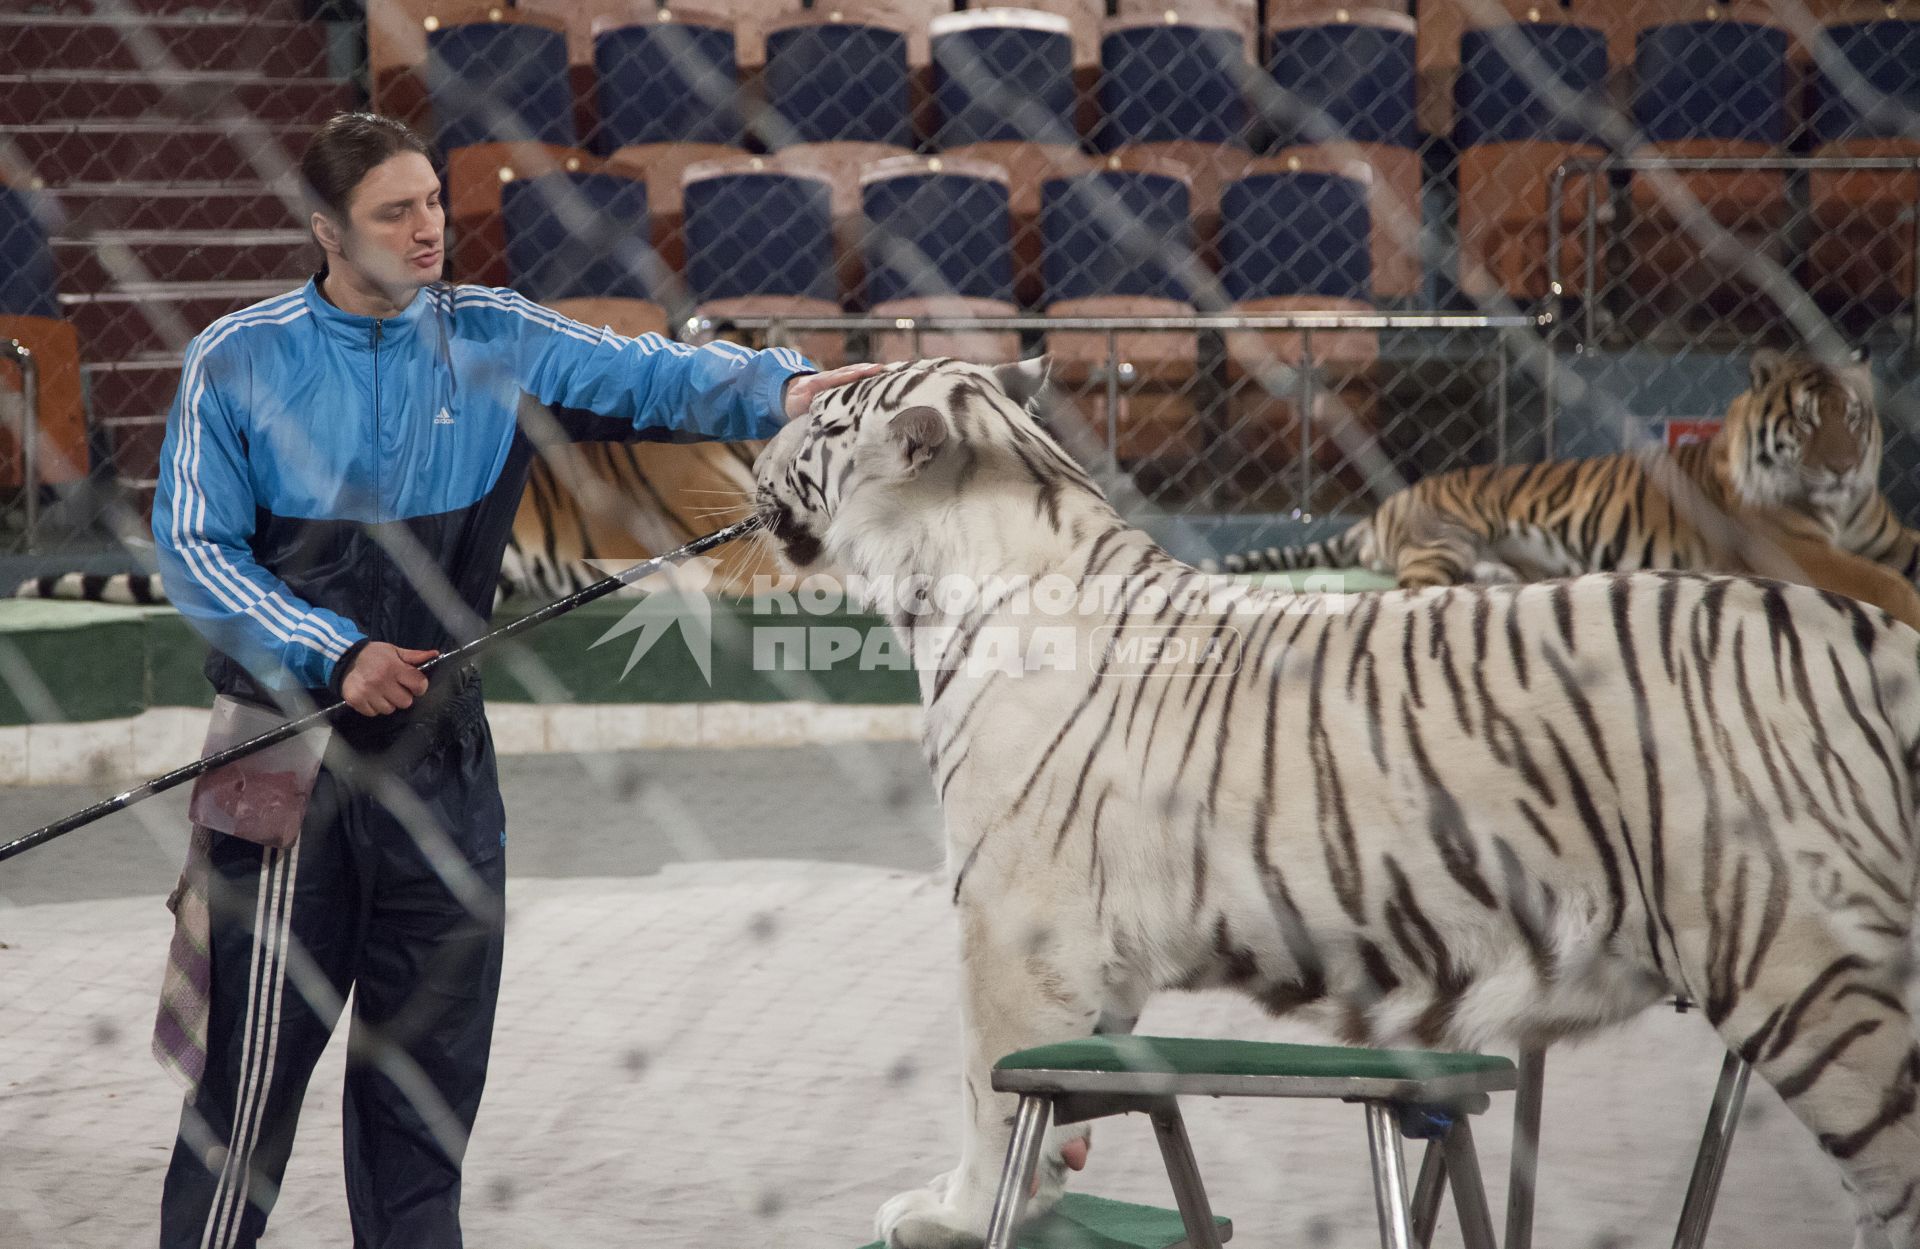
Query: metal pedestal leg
[
  {"x": 1716, "y": 1141},
  {"x": 1524, "y": 1166},
  {"x": 1016, "y": 1177},
  {"x": 1177, "y": 1152},
  {"x": 1428, "y": 1189},
  {"x": 1389, "y": 1177},
  {"x": 1469, "y": 1196}
]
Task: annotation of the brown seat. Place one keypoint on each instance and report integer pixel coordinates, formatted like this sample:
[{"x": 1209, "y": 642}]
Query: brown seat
[
  {"x": 1264, "y": 391},
  {"x": 1155, "y": 418},
  {"x": 1673, "y": 267},
  {"x": 475, "y": 176},
  {"x": 1242, "y": 15},
  {"x": 61, "y": 449},
  {"x": 1504, "y": 189},
  {"x": 1862, "y": 250}
]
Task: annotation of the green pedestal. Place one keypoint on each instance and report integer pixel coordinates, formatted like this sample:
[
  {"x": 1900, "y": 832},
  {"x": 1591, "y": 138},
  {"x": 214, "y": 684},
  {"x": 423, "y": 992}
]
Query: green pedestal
[{"x": 1084, "y": 1222}]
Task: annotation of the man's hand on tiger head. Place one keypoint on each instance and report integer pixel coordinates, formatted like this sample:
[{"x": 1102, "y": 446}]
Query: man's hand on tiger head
[{"x": 802, "y": 391}]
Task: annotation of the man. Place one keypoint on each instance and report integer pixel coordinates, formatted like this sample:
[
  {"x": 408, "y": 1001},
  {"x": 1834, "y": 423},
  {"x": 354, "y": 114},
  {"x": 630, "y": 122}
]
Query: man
[{"x": 338, "y": 481}]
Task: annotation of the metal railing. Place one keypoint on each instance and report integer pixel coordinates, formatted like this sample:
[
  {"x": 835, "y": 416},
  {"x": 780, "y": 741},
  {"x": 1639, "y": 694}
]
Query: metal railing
[
  {"x": 1117, "y": 373},
  {"x": 28, "y": 437},
  {"x": 1597, "y": 171}
]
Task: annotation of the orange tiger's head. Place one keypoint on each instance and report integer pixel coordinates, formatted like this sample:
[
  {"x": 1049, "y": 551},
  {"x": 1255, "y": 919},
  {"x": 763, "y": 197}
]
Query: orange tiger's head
[{"x": 1804, "y": 433}]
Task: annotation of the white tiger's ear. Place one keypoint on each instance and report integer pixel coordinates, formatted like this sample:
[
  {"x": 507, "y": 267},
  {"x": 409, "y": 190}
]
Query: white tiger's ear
[
  {"x": 1762, "y": 365},
  {"x": 916, "y": 434},
  {"x": 1024, "y": 380}
]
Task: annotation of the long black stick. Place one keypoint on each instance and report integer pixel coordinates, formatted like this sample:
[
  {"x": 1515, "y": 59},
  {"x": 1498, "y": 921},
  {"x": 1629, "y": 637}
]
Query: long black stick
[{"x": 561, "y": 607}]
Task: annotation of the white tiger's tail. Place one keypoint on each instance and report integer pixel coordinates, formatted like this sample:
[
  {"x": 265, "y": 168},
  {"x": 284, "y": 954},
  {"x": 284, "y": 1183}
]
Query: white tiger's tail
[
  {"x": 1343, "y": 550},
  {"x": 131, "y": 588}
]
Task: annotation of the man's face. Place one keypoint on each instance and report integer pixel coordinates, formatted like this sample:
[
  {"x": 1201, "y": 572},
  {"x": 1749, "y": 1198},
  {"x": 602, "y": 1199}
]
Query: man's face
[{"x": 396, "y": 226}]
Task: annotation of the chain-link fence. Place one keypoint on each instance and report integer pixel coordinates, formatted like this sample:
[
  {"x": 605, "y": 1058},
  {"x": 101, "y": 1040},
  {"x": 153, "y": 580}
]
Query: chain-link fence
[
  {"x": 1286, "y": 256},
  {"x": 1646, "y": 195}
]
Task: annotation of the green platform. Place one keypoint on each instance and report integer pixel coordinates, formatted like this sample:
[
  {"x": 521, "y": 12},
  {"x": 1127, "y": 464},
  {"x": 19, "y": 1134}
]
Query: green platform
[
  {"x": 1085, "y": 1222},
  {"x": 99, "y": 661},
  {"x": 1182, "y": 1056}
]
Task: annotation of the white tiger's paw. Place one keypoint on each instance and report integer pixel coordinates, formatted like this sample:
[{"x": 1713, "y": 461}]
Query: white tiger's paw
[
  {"x": 921, "y": 1219},
  {"x": 1492, "y": 572}
]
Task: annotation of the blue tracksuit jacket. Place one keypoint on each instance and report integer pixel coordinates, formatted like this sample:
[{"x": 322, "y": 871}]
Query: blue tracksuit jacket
[{"x": 312, "y": 457}]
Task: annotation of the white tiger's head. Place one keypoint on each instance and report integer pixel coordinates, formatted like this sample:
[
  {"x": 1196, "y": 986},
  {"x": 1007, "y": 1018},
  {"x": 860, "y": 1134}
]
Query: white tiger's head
[
  {"x": 929, "y": 467},
  {"x": 1804, "y": 433}
]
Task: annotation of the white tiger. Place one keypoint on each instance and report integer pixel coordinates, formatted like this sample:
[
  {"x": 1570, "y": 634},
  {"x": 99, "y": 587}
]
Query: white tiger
[{"x": 1445, "y": 817}]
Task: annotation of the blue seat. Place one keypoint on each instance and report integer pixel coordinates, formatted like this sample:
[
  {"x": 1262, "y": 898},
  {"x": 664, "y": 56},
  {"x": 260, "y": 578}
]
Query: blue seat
[
  {"x": 499, "y": 82},
  {"x": 1289, "y": 234},
  {"x": 1002, "y": 76},
  {"x": 937, "y": 239},
  {"x": 578, "y": 236},
  {"x": 1718, "y": 80},
  {"x": 931, "y": 233},
  {"x": 1884, "y": 57},
  {"x": 667, "y": 82},
  {"x": 760, "y": 233},
  {"x": 1352, "y": 81},
  {"x": 29, "y": 283},
  {"x": 1163, "y": 83},
  {"x": 1114, "y": 233},
  {"x": 1357, "y": 77},
  {"x": 1496, "y": 101},
  {"x": 839, "y": 82}
]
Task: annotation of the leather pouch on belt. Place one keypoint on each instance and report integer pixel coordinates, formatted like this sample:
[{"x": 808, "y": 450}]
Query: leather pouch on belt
[{"x": 263, "y": 796}]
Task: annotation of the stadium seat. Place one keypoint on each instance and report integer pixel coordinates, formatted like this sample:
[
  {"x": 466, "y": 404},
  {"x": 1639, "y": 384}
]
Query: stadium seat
[
  {"x": 1294, "y": 240},
  {"x": 760, "y": 243},
  {"x": 668, "y": 99},
  {"x": 497, "y": 86},
  {"x": 1112, "y": 244},
  {"x": 1715, "y": 88},
  {"x": 30, "y": 312},
  {"x": 578, "y": 239},
  {"x": 1623, "y": 20},
  {"x": 1003, "y": 91},
  {"x": 1170, "y": 90},
  {"x": 1084, "y": 19},
  {"x": 581, "y": 19},
  {"x": 1351, "y": 82},
  {"x": 1861, "y": 260},
  {"x": 838, "y": 90},
  {"x": 1511, "y": 137},
  {"x": 939, "y": 243},
  {"x": 1242, "y": 15},
  {"x": 499, "y": 79},
  {"x": 1443, "y": 22},
  {"x": 397, "y": 48}
]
